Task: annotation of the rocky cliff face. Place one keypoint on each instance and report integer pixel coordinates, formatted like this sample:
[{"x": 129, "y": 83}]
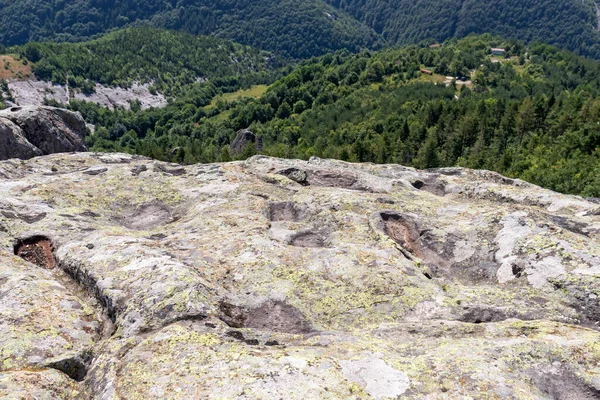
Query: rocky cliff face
[
  {"x": 127, "y": 278},
  {"x": 31, "y": 131}
]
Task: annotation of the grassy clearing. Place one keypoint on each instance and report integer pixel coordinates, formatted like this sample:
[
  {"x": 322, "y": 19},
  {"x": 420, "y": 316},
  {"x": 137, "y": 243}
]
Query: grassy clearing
[
  {"x": 254, "y": 92},
  {"x": 11, "y": 68},
  {"x": 435, "y": 78}
]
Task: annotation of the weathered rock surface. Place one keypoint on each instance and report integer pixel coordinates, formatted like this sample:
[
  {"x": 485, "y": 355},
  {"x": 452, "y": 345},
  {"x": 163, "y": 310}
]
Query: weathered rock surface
[
  {"x": 26, "y": 132},
  {"x": 289, "y": 279}
]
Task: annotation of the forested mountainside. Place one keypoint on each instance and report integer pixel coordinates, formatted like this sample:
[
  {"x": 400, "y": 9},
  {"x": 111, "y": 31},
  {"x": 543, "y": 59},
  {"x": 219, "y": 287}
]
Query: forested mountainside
[
  {"x": 294, "y": 28},
  {"x": 533, "y": 114},
  {"x": 301, "y": 29},
  {"x": 172, "y": 62},
  {"x": 570, "y": 24}
]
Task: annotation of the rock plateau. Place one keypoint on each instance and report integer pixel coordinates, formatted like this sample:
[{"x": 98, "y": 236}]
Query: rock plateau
[{"x": 126, "y": 278}]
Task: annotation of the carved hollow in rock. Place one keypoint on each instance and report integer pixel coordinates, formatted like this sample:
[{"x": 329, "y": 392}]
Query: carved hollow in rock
[
  {"x": 138, "y": 169},
  {"x": 430, "y": 184},
  {"x": 295, "y": 174},
  {"x": 147, "y": 216},
  {"x": 239, "y": 336},
  {"x": 274, "y": 316},
  {"x": 308, "y": 239},
  {"x": 582, "y": 297},
  {"x": 332, "y": 179},
  {"x": 402, "y": 230},
  {"x": 563, "y": 385},
  {"x": 37, "y": 250},
  {"x": 285, "y": 211},
  {"x": 325, "y": 178},
  {"x": 573, "y": 226},
  {"x": 405, "y": 231},
  {"x": 478, "y": 315},
  {"x": 176, "y": 171}
]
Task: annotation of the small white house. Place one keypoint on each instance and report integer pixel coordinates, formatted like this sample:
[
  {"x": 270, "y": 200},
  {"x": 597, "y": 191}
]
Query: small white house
[{"x": 497, "y": 52}]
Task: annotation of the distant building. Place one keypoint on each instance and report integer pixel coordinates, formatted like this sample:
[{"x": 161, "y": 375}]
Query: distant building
[
  {"x": 497, "y": 52},
  {"x": 426, "y": 71},
  {"x": 434, "y": 46}
]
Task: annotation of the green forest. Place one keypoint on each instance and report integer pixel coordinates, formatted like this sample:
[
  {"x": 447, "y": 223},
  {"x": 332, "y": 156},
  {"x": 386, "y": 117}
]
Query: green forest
[
  {"x": 567, "y": 24},
  {"x": 172, "y": 62},
  {"x": 291, "y": 28},
  {"x": 532, "y": 113},
  {"x": 301, "y": 29}
]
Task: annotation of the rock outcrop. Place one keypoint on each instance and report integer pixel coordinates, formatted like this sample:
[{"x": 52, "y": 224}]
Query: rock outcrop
[
  {"x": 243, "y": 138},
  {"x": 127, "y": 278},
  {"x": 30, "y": 131}
]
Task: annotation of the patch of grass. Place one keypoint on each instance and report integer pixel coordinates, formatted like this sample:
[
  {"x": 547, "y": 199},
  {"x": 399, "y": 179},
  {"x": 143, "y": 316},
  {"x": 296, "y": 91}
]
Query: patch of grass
[
  {"x": 435, "y": 78},
  {"x": 254, "y": 92},
  {"x": 11, "y": 68}
]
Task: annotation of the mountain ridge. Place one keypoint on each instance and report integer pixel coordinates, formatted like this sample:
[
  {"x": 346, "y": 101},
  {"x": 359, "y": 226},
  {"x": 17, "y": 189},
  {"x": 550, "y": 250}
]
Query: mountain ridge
[{"x": 301, "y": 29}]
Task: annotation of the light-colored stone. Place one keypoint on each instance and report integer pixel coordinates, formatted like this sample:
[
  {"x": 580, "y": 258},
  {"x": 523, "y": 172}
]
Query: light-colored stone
[
  {"x": 294, "y": 279},
  {"x": 379, "y": 379}
]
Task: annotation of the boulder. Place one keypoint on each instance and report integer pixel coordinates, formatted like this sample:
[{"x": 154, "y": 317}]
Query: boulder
[
  {"x": 243, "y": 138},
  {"x": 13, "y": 143},
  {"x": 47, "y": 129},
  {"x": 124, "y": 277}
]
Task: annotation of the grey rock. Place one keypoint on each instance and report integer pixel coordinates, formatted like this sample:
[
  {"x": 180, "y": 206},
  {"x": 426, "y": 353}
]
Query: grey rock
[
  {"x": 273, "y": 278},
  {"x": 13, "y": 143},
  {"x": 243, "y": 138},
  {"x": 379, "y": 379},
  {"x": 49, "y": 129}
]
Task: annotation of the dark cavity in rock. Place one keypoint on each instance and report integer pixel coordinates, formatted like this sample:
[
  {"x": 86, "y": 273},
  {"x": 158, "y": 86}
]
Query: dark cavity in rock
[
  {"x": 418, "y": 184},
  {"x": 274, "y": 316},
  {"x": 323, "y": 178},
  {"x": 385, "y": 201},
  {"x": 37, "y": 250},
  {"x": 75, "y": 367},
  {"x": 90, "y": 214},
  {"x": 30, "y": 218},
  {"x": 403, "y": 230}
]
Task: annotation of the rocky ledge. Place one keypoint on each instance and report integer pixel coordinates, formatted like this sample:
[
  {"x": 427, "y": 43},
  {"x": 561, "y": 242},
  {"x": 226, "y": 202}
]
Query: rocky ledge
[{"x": 127, "y": 278}]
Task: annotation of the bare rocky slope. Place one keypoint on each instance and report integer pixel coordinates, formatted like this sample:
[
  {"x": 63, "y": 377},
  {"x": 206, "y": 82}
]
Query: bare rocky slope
[
  {"x": 126, "y": 278},
  {"x": 33, "y": 92}
]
